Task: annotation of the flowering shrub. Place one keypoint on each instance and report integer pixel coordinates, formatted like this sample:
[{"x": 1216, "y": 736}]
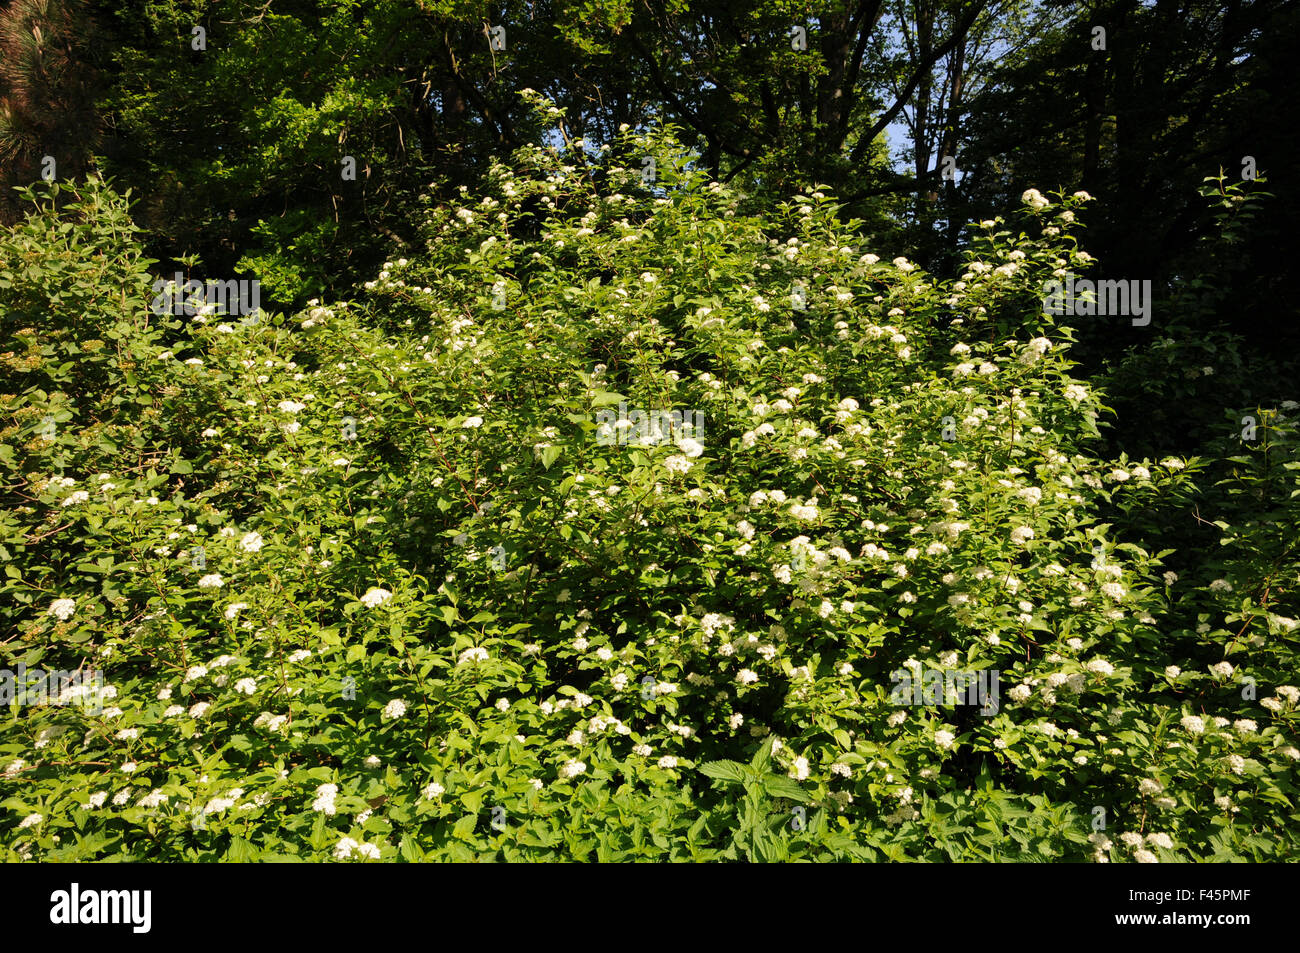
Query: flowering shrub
[{"x": 366, "y": 582}]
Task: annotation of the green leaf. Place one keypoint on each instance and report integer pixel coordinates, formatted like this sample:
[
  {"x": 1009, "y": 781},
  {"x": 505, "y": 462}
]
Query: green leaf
[
  {"x": 779, "y": 786},
  {"x": 241, "y": 851},
  {"x": 464, "y": 828},
  {"x": 724, "y": 771},
  {"x": 410, "y": 850}
]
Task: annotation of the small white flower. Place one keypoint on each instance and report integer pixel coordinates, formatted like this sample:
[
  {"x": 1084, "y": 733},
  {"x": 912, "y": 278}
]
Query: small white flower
[
  {"x": 394, "y": 709},
  {"x": 571, "y": 769},
  {"x": 678, "y": 464},
  {"x": 324, "y": 803},
  {"x": 1148, "y": 787},
  {"x": 691, "y": 447},
  {"x": 1112, "y": 590},
  {"x": 272, "y": 722},
  {"x": 376, "y": 597},
  {"x": 1034, "y": 199},
  {"x": 62, "y": 609},
  {"x": 475, "y": 654}
]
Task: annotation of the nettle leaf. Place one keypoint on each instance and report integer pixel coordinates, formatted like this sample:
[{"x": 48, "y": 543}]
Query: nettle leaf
[
  {"x": 779, "y": 786},
  {"x": 464, "y": 828},
  {"x": 724, "y": 771},
  {"x": 241, "y": 851}
]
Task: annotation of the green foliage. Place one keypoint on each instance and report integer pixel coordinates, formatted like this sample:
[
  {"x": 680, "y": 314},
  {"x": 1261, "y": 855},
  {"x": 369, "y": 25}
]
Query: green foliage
[{"x": 439, "y": 615}]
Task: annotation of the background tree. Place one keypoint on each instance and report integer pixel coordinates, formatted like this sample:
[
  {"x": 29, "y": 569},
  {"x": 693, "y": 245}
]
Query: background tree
[
  {"x": 48, "y": 69},
  {"x": 1181, "y": 89}
]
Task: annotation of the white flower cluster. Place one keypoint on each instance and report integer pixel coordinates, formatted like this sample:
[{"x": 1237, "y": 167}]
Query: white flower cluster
[
  {"x": 375, "y": 597},
  {"x": 271, "y": 722},
  {"x": 62, "y": 609},
  {"x": 325, "y": 795},
  {"x": 348, "y": 847},
  {"x": 1034, "y": 199}
]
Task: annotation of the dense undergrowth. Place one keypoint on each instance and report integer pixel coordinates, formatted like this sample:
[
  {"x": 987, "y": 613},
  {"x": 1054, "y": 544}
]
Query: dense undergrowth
[{"x": 371, "y": 581}]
